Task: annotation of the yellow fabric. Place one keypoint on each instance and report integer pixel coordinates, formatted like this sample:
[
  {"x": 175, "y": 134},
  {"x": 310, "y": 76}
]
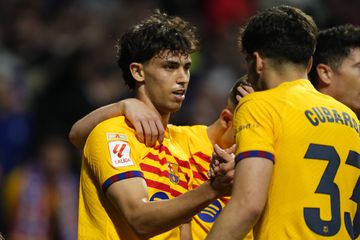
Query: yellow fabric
[
  {"x": 112, "y": 153},
  {"x": 311, "y": 137},
  {"x": 195, "y": 141}
]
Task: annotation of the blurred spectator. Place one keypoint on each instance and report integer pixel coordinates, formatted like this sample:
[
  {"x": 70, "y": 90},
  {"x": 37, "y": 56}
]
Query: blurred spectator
[
  {"x": 343, "y": 12},
  {"x": 223, "y": 14},
  {"x": 14, "y": 120},
  {"x": 41, "y": 197}
]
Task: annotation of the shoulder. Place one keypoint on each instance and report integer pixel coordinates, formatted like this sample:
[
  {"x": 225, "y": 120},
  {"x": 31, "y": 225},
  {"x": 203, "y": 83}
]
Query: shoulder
[
  {"x": 193, "y": 131},
  {"x": 112, "y": 129},
  {"x": 116, "y": 124}
]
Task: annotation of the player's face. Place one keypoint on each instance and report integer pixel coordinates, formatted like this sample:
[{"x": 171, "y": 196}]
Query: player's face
[
  {"x": 166, "y": 80},
  {"x": 347, "y": 81}
]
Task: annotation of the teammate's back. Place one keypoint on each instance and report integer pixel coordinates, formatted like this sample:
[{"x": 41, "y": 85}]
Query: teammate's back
[{"x": 316, "y": 170}]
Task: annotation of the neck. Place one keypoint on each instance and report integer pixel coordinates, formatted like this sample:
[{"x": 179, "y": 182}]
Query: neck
[
  {"x": 165, "y": 117},
  {"x": 274, "y": 76},
  {"x": 214, "y": 132}
]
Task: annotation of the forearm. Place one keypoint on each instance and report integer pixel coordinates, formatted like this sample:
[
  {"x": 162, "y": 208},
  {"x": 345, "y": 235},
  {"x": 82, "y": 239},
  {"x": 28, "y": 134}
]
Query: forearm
[
  {"x": 82, "y": 128},
  {"x": 248, "y": 199},
  {"x": 185, "y": 232},
  {"x": 234, "y": 222},
  {"x": 153, "y": 218}
]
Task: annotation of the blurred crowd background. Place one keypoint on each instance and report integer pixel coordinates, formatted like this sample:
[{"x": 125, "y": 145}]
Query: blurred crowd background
[{"x": 57, "y": 63}]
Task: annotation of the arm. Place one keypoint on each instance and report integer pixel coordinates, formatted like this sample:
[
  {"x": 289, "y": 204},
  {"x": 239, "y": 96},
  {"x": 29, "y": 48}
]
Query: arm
[
  {"x": 146, "y": 122},
  {"x": 249, "y": 195},
  {"x": 185, "y": 231},
  {"x": 151, "y": 218}
]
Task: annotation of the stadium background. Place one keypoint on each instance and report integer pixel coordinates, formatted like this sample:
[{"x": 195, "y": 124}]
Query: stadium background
[{"x": 57, "y": 63}]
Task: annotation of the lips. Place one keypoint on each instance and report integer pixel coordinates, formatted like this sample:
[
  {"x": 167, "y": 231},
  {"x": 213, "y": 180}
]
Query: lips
[{"x": 179, "y": 94}]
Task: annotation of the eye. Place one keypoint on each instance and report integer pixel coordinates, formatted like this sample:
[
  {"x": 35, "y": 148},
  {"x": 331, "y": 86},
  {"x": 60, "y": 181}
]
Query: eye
[
  {"x": 171, "y": 66},
  {"x": 187, "y": 66}
]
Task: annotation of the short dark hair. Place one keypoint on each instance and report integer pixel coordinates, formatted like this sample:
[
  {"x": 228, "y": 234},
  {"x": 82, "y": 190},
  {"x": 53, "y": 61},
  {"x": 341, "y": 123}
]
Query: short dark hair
[
  {"x": 232, "y": 101},
  {"x": 157, "y": 33},
  {"x": 333, "y": 46},
  {"x": 282, "y": 33}
]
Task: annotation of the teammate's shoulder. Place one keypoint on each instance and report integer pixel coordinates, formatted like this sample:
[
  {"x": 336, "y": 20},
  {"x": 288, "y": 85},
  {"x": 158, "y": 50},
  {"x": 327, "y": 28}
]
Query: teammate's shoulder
[
  {"x": 116, "y": 124},
  {"x": 187, "y": 129}
]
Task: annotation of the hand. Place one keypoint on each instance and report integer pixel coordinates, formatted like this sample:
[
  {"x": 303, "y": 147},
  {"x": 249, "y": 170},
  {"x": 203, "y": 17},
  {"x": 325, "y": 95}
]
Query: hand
[
  {"x": 216, "y": 160},
  {"x": 243, "y": 90},
  {"x": 147, "y": 122},
  {"x": 221, "y": 172}
]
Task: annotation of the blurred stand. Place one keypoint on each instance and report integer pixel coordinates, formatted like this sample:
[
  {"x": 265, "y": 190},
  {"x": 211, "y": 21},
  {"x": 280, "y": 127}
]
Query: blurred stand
[{"x": 41, "y": 196}]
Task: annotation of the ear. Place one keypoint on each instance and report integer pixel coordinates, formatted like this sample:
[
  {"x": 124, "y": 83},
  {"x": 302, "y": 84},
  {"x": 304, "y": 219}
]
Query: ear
[
  {"x": 309, "y": 65},
  {"x": 324, "y": 73},
  {"x": 259, "y": 62},
  {"x": 226, "y": 118},
  {"x": 137, "y": 71}
]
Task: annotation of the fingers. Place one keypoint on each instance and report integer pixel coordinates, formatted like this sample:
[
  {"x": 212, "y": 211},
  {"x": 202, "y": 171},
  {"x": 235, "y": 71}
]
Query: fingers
[
  {"x": 146, "y": 121},
  {"x": 243, "y": 90},
  {"x": 223, "y": 156},
  {"x": 139, "y": 131},
  {"x": 149, "y": 130},
  {"x": 248, "y": 88},
  {"x": 231, "y": 149},
  {"x": 160, "y": 130},
  {"x": 153, "y": 131}
]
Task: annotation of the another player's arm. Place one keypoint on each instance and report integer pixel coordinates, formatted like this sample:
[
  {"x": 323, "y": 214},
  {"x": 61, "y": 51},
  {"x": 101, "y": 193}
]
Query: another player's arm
[
  {"x": 146, "y": 122},
  {"x": 147, "y": 218},
  {"x": 252, "y": 173},
  {"x": 185, "y": 231},
  {"x": 249, "y": 195}
]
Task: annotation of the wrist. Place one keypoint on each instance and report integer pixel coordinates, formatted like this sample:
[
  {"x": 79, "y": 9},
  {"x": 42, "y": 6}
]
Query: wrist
[
  {"x": 120, "y": 107},
  {"x": 212, "y": 191}
]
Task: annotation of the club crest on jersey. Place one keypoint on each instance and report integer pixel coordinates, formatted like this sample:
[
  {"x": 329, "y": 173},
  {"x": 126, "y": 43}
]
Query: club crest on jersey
[
  {"x": 174, "y": 172},
  {"x": 120, "y": 154}
]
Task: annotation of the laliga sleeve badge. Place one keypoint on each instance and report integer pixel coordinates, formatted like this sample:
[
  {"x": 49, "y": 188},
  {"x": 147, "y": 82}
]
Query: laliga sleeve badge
[{"x": 120, "y": 154}]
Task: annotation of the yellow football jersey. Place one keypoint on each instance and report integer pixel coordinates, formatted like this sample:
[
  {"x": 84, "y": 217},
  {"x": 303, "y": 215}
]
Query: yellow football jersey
[
  {"x": 195, "y": 141},
  {"x": 112, "y": 153},
  {"x": 314, "y": 143}
]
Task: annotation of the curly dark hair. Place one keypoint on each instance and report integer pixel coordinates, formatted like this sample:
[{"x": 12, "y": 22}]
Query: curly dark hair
[
  {"x": 150, "y": 37},
  {"x": 333, "y": 46},
  {"x": 282, "y": 33}
]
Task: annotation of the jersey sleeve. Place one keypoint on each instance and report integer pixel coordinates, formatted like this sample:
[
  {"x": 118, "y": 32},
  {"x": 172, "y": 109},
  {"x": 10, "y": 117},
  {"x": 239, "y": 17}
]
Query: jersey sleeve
[
  {"x": 255, "y": 130},
  {"x": 112, "y": 155}
]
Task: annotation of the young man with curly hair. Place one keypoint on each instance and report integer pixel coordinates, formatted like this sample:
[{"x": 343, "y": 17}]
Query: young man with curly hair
[{"x": 129, "y": 190}]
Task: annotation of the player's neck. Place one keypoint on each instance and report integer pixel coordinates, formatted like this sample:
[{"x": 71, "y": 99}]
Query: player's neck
[
  {"x": 288, "y": 73},
  {"x": 214, "y": 132},
  {"x": 165, "y": 116}
]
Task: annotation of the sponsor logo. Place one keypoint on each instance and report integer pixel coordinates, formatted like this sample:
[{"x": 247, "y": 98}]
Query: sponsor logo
[
  {"x": 211, "y": 212},
  {"x": 174, "y": 172},
  {"x": 120, "y": 154},
  {"x": 159, "y": 196},
  {"x": 116, "y": 136}
]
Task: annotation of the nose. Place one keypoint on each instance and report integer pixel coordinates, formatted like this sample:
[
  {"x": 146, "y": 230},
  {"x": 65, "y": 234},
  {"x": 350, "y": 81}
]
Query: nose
[{"x": 183, "y": 76}]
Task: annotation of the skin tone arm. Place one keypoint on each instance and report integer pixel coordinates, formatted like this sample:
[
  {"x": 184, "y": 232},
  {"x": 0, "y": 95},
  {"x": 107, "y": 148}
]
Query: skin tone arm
[
  {"x": 146, "y": 122},
  {"x": 249, "y": 195},
  {"x": 147, "y": 218},
  {"x": 185, "y": 232}
]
